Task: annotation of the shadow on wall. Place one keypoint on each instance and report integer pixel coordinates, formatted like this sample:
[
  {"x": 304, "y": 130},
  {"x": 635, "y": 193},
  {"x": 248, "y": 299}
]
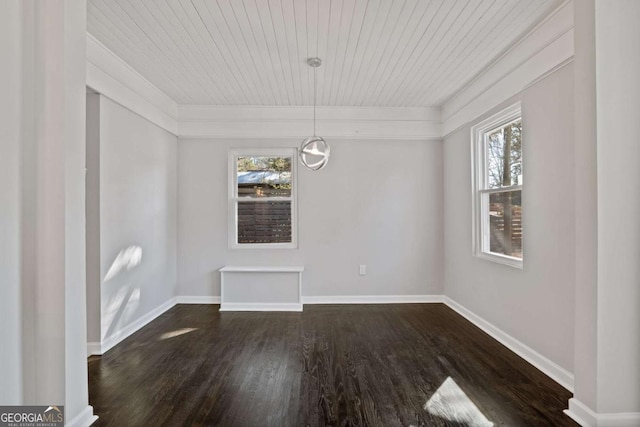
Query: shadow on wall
[{"x": 127, "y": 298}]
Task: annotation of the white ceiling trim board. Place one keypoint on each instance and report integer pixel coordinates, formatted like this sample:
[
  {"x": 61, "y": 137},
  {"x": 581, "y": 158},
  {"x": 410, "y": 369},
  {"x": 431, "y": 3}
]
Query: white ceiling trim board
[
  {"x": 113, "y": 89},
  {"x": 329, "y": 129},
  {"x": 112, "y": 64},
  {"x": 110, "y": 76},
  {"x": 543, "y": 49},
  {"x": 513, "y": 83},
  {"x": 553, "y": 26},
  {"x": 297, "y": 122},
  {"x": 549, "y": 72},
  {"x": 231, "y": 113}
]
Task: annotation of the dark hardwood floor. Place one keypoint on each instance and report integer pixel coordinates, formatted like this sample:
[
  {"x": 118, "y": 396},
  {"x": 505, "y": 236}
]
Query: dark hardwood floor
[{"x": 366, "y": 365}]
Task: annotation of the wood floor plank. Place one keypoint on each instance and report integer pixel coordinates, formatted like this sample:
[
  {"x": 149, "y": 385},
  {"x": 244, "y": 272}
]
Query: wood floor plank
[{"x": 347, "y": 365}]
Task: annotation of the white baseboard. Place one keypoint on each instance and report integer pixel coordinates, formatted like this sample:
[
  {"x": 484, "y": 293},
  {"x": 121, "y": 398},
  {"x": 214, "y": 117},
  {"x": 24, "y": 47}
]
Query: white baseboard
[
  {"x": 373, "y": 299},
  {"x": 130, "y": 329},
  {"x": 581, "y": 413},
  {"x": 342, "y": 299},
  {"x": 83, "y": 419},
  {"x": 551, "y": 369},
  {"x": 586, "y": 417},
  {"x": 197, "y": 300},
  {"x": 260, "y": 307}
]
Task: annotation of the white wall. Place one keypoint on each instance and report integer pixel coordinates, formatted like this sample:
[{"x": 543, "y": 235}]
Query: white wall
[
  {"x": 93, "y": 217},
  {"x": 535, "y": 304},
  {"x": 138, "y": 216},
  {"x": 377, "y": 203}
]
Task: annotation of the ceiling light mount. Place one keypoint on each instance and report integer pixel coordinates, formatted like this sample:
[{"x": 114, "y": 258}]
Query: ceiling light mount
[
  {"x": 314, "y": 151},
  {"x": 314, "y": 62}
]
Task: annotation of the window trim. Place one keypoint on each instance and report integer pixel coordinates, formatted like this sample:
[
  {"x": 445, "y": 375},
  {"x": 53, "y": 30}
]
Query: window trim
[
  {"x": 233, "y": 199},
  {"x": 479, "y": 188}
]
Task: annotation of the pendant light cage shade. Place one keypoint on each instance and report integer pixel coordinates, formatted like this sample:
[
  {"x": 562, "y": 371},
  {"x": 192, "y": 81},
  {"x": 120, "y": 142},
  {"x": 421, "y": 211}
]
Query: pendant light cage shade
[{"x": 314, "y": 151}]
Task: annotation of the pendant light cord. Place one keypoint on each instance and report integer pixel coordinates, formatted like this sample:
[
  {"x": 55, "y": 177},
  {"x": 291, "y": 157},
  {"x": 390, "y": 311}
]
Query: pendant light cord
[{"x": 315, "y": 89}]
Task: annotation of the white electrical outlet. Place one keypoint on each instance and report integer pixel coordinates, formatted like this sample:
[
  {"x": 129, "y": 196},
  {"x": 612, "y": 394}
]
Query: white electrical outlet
[{"x": 363, "y": 270}]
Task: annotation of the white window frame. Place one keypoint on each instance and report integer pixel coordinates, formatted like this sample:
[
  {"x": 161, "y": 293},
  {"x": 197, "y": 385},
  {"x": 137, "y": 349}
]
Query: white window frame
[
  {"x": 480, "y": 187},
  {"x": 234, "y": 154}
]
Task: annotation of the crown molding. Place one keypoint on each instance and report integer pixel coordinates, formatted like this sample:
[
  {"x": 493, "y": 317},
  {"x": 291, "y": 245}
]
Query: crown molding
[
  {"x": 543, "y": 49},
  {"x": 297, "y": 122},
  {"x": 110, "y": 76},
  {"x": 339, "y": 113}
]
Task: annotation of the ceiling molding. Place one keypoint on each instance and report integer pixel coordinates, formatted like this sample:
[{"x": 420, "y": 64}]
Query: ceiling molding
[
  {"x": 286, "y": 128},
  {"x": 110, "y": 76},
  {"x": 545, "y": 48},
  {"x": 297, "y": 122},
  {"x": 241, "y": 113}
]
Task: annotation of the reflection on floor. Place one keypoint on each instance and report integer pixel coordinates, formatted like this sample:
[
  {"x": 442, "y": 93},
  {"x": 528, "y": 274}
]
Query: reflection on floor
[
  {"x": 347, "y": 365},
  {"x": 176, "y": 333},
  {"x": 452, "y": 404}
]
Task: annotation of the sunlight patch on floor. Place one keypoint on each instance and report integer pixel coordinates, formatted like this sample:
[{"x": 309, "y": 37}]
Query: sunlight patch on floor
[
  {"x": 452, "y": 404},
  {"x": 176, "y": 333}
]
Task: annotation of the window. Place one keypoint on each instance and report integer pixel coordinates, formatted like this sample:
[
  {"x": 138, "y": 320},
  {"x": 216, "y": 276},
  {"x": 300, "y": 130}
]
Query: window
[
  {"x": 497, "y": 182},
  {"x": 262, "y": 193}
]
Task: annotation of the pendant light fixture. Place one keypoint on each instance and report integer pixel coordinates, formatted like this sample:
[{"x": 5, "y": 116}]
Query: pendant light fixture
[{"x": 314, "y": 151}]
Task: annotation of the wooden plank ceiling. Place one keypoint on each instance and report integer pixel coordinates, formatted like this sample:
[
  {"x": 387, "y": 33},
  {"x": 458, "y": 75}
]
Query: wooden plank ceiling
[{"x": 397, "y": 53}]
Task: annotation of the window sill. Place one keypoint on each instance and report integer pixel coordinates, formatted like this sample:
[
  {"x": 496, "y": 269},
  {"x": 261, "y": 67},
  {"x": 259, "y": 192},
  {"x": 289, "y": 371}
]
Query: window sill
[
  {"x": 501, "y": 259},
  {"x": 269, "y": 246}
]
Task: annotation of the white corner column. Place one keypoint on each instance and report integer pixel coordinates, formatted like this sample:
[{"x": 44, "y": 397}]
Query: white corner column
[
  {"x": 11, "y": 389},
  {"x": 78, "y": 412},
  {"x": 607, "y": 343},
  {"x": 43, "y": 56},
  {"x": 618, "y": 113}
]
